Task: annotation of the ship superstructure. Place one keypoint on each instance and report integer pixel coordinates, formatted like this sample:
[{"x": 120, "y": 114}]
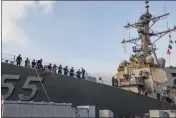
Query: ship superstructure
[{"x": 145, "y": 72}]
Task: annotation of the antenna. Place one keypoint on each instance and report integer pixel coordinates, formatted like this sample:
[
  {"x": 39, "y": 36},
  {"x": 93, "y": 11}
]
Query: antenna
[
  {"x": 147, "y": 6},
  {"x": 143, "y": 27},
  {"x": 124, "y": 47}
]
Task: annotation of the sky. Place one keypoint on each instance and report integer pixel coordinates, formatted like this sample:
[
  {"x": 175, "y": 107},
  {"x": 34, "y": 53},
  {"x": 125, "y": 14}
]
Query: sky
[{"x": 80, "y": 33}]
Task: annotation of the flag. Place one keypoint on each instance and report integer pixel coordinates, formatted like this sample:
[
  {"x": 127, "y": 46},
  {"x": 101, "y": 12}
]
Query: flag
[
  {"x": 100, "y": 78},
  {"x": 170, "y": 47},
  {"x": 168, "y": 52}
]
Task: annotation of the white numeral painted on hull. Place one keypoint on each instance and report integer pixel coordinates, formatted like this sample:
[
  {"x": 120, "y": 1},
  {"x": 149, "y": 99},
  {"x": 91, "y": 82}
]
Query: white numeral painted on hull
[
  {"x": 10, "y": 86},
  {"x": 27, "y": 86}
]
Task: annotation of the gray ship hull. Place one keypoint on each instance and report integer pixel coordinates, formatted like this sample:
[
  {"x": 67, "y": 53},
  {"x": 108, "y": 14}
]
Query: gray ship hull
[{"x": 64, "y": 89}]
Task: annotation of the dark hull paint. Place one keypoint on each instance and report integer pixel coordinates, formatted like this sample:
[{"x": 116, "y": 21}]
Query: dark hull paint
[{"x": 81, "y": 92}]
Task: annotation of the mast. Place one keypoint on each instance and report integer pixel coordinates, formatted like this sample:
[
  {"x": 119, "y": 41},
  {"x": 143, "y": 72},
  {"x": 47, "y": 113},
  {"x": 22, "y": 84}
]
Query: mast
[
  {"x": 144, "y": 30},
  {"x": 145, "y": 27}
]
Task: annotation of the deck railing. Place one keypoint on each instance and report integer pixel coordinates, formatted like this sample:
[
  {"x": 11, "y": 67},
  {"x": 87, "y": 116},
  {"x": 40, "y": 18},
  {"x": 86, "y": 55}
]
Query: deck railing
[{"x": 11, "y": 59}]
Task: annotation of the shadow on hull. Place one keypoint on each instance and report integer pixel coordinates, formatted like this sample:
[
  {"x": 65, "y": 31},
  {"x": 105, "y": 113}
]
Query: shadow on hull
[{"x": 64, "y": 89}]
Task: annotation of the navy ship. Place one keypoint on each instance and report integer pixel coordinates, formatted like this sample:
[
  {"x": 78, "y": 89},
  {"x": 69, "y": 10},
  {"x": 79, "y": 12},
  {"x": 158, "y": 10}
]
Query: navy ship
[
  {"x": 27, "y": 84},
  {"x": 144, "y": 72}
]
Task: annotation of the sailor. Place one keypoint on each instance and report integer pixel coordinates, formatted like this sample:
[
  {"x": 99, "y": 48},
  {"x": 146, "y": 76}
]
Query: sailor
[
  {"x": 27, "y": 62},
  {"x": 83, "y": 73},
  {"x": 33, "y": 63},
  {"x": 158, "y": 96},
  {"x": 50, "y": 67},
  {"x": 18, "y": 60},
  {"x": 60, "y": 69},
  {"x": 72, "y": 72},
  {"x": 113, "y": 81},
  {"x": 54, "y": 68},
  {"x": 78, "y": 73},
  {"x": 116, "y": 82},
  {"x": 66, "y": 70},
  {"x": 39, "y": 64}
]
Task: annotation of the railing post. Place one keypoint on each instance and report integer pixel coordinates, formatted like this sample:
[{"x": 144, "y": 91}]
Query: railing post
[{"x": 14, "y": 60}]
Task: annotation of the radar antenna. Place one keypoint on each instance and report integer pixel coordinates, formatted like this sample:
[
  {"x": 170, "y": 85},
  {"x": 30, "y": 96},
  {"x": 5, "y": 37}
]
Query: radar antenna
[{"x": 143, "y": 26}]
